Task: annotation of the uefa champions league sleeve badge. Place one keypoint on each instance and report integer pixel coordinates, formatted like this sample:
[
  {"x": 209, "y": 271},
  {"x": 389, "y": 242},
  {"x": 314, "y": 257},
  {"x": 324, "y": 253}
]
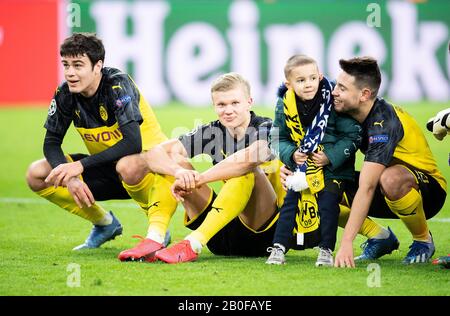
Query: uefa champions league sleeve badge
[{"x": 52, "y": 107}]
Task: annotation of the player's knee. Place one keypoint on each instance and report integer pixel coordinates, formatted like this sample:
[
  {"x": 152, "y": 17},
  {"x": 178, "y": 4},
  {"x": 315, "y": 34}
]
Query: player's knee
[
  {"x": 395, "y": 183},
  {"x": 130, "y": 169},
  {"x": 124, "y": 168},
  {"x": 35, "y": 176}
]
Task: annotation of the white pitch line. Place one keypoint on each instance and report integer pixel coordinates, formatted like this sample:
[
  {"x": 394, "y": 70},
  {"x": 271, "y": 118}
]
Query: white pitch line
[
  {"x": 22, "y": 200},
  {"x": 442, "y": 220},
  {"x": 35, "y": 201}
]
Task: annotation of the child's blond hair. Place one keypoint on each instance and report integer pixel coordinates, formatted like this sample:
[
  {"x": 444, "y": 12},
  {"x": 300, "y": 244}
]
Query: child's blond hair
[{"x": 295, "y": 61}]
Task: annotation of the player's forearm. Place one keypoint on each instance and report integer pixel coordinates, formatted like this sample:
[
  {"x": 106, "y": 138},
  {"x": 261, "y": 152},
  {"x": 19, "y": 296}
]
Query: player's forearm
[
  {"x": 52, "y": 149},
  {"x": 159, "y": 161},
  {"x": 226, "y": 171},
  {"x": 131, "y": 143},
  {"x": 238, "y": 164}
]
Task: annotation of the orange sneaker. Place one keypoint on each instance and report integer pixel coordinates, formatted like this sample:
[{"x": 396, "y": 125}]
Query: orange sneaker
[
  {"x": 180, "y": 252},
  {"x": 144, "y": 251}
]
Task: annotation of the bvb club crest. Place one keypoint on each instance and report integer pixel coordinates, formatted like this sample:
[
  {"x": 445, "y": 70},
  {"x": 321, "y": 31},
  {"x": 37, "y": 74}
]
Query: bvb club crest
[
  {"x": 309, "y": 214},
  {"x": 315, "y": 182},
  {"x": 103, "y": 113},
  {"x": 307, "y": 218}
]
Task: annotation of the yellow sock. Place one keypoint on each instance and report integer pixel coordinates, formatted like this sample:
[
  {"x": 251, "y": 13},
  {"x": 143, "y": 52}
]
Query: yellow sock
[
  {"x": 161, "y": 205},
  {"x": 140, "y": 192},
  {"x": 369, "y": 228},
  {"x": 229, "y": 203},
  {"x": 410, "y": 210},
  {"x": 61, "y": 197}
]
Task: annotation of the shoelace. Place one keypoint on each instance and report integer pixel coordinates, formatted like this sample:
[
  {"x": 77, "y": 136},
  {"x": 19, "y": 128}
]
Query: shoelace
[
  {"x": 138, "y": 237},
  {"x": 274, "y": 250},
  {"x": 324, "y": 253},
  {"x": 270, "y": 249},
  {"x": 417, "y": 249},
  {"x": 364, "y": 244}
]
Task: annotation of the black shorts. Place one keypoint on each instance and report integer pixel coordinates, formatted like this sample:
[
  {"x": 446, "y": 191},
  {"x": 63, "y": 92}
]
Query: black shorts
[
  {"x": 433, "y": 196},
  {"x": 103, "y": 181},
  {"x": 235, "y": 239}
]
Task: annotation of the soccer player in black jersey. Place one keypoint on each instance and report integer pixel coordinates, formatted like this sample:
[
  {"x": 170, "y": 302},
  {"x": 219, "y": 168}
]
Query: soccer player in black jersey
[
  {"x": 114, "y": 120},
  {"x": 399, "y": 177},
  {"x": 240, "y": 219}
]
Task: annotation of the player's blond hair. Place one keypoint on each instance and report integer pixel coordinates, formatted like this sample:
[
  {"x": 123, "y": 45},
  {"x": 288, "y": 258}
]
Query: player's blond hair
[
  {"x": 229, "y": 81},
  {"x": 296, "y": 61}
]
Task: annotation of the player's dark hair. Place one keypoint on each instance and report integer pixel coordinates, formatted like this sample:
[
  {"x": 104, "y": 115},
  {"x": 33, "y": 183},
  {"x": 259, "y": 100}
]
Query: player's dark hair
[
  {"x": 79, "y": 44},
  {"x": 366, "y": 72}
]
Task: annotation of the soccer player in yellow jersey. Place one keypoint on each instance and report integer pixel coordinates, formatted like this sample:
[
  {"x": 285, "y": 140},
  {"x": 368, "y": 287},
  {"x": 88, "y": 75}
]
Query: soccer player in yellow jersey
[
  {"x": 240, "y": 219},
  {"x": 114, "y": 120},
  {"x": 399, "y": 177}
]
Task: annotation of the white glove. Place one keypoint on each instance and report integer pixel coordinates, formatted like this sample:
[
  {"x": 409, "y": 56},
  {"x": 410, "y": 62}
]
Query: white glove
[
  {"x": 440, "y": 124},
  {"x": 297, "y": 181}
]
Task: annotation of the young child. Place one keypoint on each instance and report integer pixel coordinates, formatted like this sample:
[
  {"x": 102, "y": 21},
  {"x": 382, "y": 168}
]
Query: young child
[{"x": 304, "y": 117}]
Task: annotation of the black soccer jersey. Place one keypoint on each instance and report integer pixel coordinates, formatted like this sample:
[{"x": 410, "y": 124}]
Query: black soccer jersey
[
  {"x": 98, "y": 119},
  {"x": 382, "y": 131},
  {"x": 390, "y": 136},
  {"x": 214, "y": 140}
]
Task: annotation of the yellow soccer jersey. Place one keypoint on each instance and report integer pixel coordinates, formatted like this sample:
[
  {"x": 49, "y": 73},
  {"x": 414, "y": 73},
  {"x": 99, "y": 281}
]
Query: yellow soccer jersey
[
  {"x": 98, "y": 119},
  {"x": 392, "y": 136}
]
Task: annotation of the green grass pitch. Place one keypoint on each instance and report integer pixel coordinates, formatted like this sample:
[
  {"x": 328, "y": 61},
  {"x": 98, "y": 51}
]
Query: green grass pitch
[{"x": 36, "y": 237}]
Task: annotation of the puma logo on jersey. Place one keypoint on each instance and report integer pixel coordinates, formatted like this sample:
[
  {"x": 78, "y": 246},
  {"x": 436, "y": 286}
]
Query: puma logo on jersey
[
  {"x": 338, "y": 183},
  {"x": 77, "y": 113},
  {"x": 379, "y": 123},
  {"x": 223, "y": 153}
]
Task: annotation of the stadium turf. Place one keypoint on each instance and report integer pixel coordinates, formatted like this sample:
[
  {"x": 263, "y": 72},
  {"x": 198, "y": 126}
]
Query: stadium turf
[{"x": 36, "y": 237}]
